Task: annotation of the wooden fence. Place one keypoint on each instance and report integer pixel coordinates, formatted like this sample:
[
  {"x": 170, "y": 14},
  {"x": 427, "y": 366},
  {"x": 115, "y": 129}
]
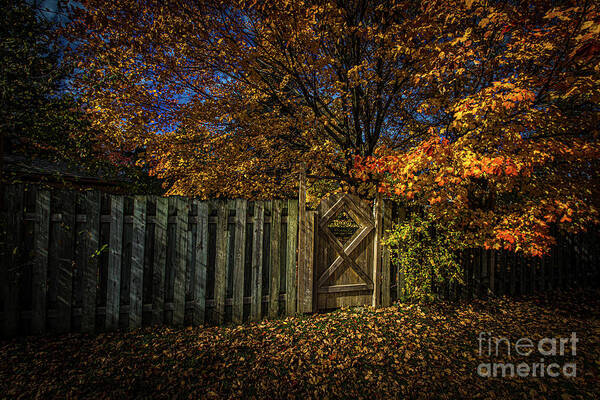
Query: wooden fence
[
  {"x": 573, "y": 262},
  {"x": 88, "y": 261}
]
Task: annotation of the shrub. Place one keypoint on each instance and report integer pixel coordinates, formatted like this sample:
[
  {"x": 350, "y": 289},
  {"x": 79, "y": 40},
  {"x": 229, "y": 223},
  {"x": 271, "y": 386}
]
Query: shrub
[{"x": 426, "y": 255}]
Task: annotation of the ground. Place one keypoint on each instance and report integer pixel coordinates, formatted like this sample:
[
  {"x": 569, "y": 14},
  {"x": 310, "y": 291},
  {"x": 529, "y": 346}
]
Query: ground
[{"x": 403, "y": 351}]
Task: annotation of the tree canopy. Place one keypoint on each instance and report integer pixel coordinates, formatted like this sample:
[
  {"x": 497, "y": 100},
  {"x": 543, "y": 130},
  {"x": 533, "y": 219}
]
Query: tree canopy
[
  {"x": 477, "y": 108},
  {"x": 40, "y": 116},
  {"x": 228, "y": 96},
  {"x": 34, "y": 114},
  {"x": 519, "y": 156}
]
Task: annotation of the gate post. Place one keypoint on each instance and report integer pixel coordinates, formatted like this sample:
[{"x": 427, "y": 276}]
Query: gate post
[{"x": 385, "y": 255}]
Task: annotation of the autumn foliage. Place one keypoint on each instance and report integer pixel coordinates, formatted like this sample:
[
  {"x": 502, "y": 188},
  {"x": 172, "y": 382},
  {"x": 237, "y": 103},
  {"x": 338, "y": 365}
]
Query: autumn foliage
[
  {"x": 405, "y": 351},
  {"x": 510, "y": 198},
  {"x": 518, "y": 159},
  {"x": 487, "y": 112}
]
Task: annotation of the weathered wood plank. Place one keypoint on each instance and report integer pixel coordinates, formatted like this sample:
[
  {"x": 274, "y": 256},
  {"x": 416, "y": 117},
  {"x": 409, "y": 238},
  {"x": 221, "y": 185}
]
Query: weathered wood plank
[
  {"x": 352, "y": 287},
  {"x": 377, "y": 212},
  {"x": 126, "y": 262},
  {"x": 485, "y": 273},
  {"x": 171, "y": 259},
  {"x": 89, "y": 259},
  {"x": 190, "y": 262},
  {"x": 136, "y": 275},
  {"x": 257, "y": 260},
  {"x": 239, "y": 260},
  {"x": 513, "y": 272},
  {"x": 542, "y": 275},
  {"x": 274, "y": 270},
  {"x": 492, "y": 274},
  {"x": 501, "y": 278},
  {"x": 385, "y": 263},
  {"x": 332, "y": 211},
  {"x": 522, "y": 266},
  {"x": 343, "y": 255},
  {"x": 400, "y": 284},
  {"x": 291, "y": 266},
  {"x": 201, "y": 255},
  {"x": 12, "y": 251},
  {"x": 114, "y": 263},
  {"x": 221, "y": 262},
  {"x": 301, "y": 286},
  {"x": 469, "y": 272},
  {"x": 104, "y": 250},
  {"x": 40, "y": 264},
  {"x": 159, "y": 260},
  {"x": 561, "y": 263},
  {"x": 179, "y": 263},
  {"x": 66, "y": 254},
  {"x": 533, "y": 265},
  {"x": 308, "y": 304},
  {"x": 229, "y": 256},
  {"x": 357, "y": 211},
  {"x": 477, "y": 272}
]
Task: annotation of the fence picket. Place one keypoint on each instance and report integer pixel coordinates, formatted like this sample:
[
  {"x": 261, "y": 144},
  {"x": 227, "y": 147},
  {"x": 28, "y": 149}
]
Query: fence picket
[
  {"x": 521, "y": 263},
  {"x": 492, "y": 274},
  {"x": 221, "y": 261},
  {"x": 136, "y": 274},
  {"x": 113, "y": 283},
  {"x": 201, "y": 255},
  {"x": 159, "y": 260},
  {"x": 89, "y": 259},
  {"x": 13, "y": 202},
  {"x": 179, "y": 263},
  {"x": 274, "y": 270},
  {"x": 378, "y": 215},
  {"x": 292, "y": 244},
  {"x": 385, "y": 262},
  {"x": 533, "y": 265},
  {"x": 238, "y": 261},
  {"x": 40, "y": 267},
  {"x": 501, "y": 279},
  {"x": 257, "y": 261},
  {"x": 65, "y": 240},
  {"x": 125, "y": 288},
  {"x": 309, "y": 253}
]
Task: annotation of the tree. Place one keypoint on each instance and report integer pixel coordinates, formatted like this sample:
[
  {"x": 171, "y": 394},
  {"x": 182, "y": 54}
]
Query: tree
[
  {"x": 519, "y": 157},
  {"x": 31, "y": 112},
  {"x": 226, "y": 97},
  {"x": 39, "y": 116}
]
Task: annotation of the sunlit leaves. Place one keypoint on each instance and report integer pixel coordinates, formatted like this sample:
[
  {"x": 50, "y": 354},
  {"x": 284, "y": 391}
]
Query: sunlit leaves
[{"x": 518, "y": 155}]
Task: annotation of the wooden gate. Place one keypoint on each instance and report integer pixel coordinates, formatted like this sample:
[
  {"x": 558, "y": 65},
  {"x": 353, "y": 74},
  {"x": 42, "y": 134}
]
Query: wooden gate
[{"x": 347, "y": 266}]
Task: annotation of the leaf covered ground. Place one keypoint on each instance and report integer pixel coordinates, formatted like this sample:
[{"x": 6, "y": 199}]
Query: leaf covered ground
[{"x": 403, "y": 351}]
